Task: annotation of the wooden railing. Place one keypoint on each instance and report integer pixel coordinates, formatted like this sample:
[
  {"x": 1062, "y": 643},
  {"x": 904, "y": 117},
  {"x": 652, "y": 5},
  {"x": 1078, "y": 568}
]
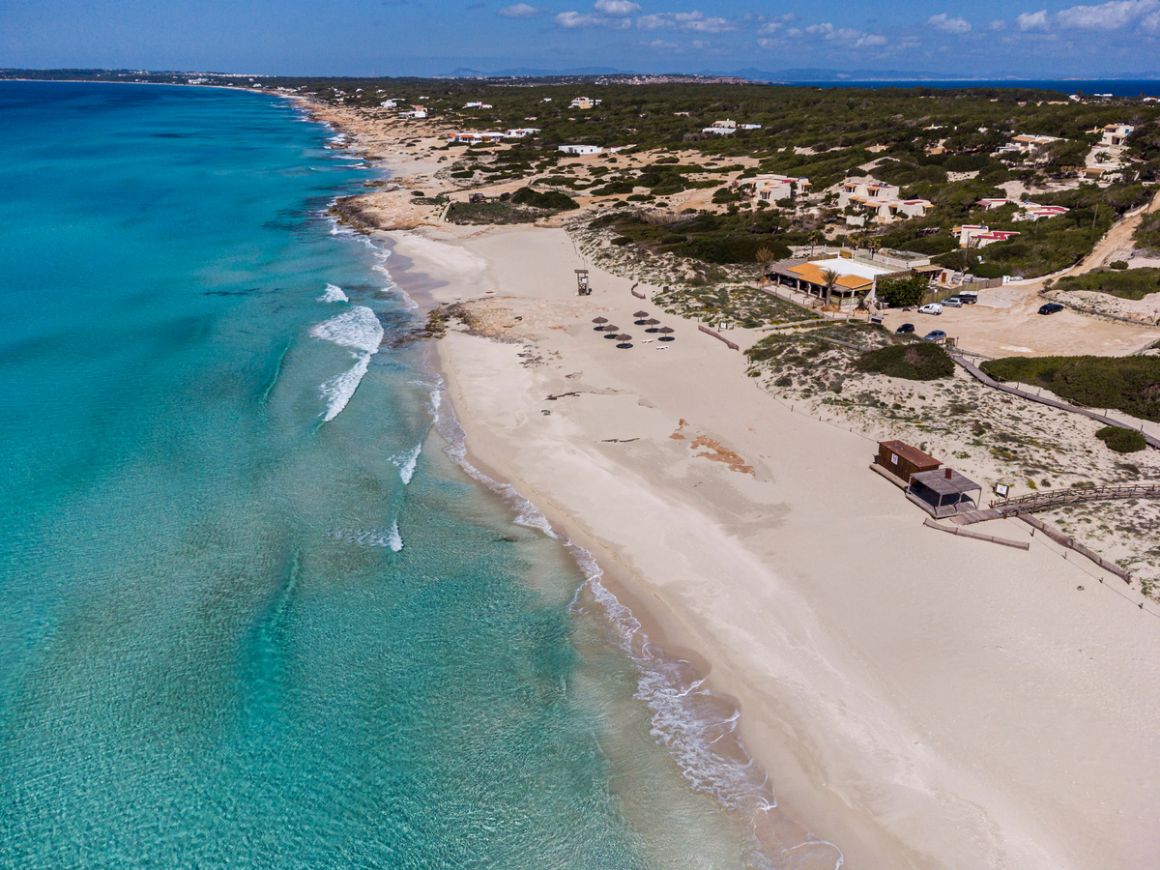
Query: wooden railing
[{"x": 1038, "y": 501}]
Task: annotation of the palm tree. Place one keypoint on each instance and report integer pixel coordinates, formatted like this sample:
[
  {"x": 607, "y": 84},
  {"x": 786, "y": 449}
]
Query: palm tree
[
  {"x": 872, "y": 245},
  {"x": 831, "y": 278},
  {"x": 815, "y": 237}
]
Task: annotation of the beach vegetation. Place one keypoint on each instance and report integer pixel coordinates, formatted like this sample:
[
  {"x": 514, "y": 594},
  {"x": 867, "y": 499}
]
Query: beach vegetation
[
  {"x": 1122, "y": 440},
  {"x": 1147, "y": 234},
  {"x": 904, "y": 291},
  {"x": 1130, "y": 384},
  {"x": 916, "y": 361},
  {"x": 1125, "y": 283}
]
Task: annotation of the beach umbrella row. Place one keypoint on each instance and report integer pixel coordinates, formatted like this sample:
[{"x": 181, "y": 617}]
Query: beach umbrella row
[{"x": 624, "y": 341}]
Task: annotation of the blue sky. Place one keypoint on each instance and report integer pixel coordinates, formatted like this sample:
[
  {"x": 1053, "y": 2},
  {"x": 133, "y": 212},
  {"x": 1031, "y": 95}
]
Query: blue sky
[{"x": 369, "y": 37}]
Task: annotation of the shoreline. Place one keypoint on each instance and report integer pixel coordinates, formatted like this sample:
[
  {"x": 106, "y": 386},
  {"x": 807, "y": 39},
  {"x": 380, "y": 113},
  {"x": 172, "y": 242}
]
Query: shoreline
[{"x": 877, "y": 822}]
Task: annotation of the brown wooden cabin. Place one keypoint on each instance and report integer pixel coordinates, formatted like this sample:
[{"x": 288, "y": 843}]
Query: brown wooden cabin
[{"x": 902, "y": 460}]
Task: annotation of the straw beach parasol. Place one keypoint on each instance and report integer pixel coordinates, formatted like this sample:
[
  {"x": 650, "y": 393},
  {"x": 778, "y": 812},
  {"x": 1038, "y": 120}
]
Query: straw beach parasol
[
  {"x": 599, "y": 321},
  {"x": 624, "y": 341},
  {"x": 667, "y": 333}
]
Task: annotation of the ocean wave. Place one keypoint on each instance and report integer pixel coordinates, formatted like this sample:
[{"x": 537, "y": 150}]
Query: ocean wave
[
  {"x": 357, "y": 328},
  {"x": 333, "y": 293},
  {"x": 384, "y": 539},
  {"x": 339, "y": 390},
  {"x": 407, "y": 461},
  {"x": 394, "y": 539}
]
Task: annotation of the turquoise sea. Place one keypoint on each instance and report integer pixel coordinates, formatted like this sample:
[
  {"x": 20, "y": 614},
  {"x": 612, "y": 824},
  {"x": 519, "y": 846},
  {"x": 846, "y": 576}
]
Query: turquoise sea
[{"x": 253, "y": 610}]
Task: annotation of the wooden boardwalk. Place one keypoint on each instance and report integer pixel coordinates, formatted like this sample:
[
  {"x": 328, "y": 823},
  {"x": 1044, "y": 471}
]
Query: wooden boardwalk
[
  {"x": 985, "y": 379},
  {"x": 1041, "y": 501}
]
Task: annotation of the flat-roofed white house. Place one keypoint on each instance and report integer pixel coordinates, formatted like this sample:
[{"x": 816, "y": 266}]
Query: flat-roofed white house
[
  {"x": 867, "y": 190},
  {"x": 880, "y": 199},
  {"x": 721, "y": 128},
  {"x": 1032, "y": 212},
  {"x": 581, "y": 150},
  {"x": 474, "y": 137},
  {"x": 980, "y": 235},
  {"x": 773, "y": 188},
  {"x": 584, "y": 103},
  {"x": 477, "y": 104},
  {"x": 521, "y": 132},
  {"x": 1116, "y": 135}
]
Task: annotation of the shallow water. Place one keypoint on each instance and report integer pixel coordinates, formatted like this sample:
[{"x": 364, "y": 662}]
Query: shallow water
[{"x": 254, "y": 613}]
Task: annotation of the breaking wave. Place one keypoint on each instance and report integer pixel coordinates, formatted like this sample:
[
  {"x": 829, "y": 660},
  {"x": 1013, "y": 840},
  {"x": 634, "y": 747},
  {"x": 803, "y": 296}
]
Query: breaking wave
[
  {"x": 333, "y": 293},
  {"x": 358, "y": 329}
]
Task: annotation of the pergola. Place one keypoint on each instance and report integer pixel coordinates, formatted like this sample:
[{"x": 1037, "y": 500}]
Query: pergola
[{"x": 942, "y": 492}]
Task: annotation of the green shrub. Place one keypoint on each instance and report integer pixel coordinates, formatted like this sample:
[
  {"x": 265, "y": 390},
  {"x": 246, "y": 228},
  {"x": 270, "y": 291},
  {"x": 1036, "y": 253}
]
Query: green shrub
[
  {"x": 1118, "y": 264},
  {"x": 1127, "y": 284},
  {"x": 1122, "y": 440},
  {"x": 550, "y": 200},
  {"x": 900, "y": 292},
  {"x": 1130, "y": 384},
  {"x": 918, "y": 361}
]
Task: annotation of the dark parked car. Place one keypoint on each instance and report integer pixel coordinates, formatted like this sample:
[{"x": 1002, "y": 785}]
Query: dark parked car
[
  {"x": 904, "y": 329},
  {"x": 1050, "y": 308},
  {"x": 934, "y": 335}
]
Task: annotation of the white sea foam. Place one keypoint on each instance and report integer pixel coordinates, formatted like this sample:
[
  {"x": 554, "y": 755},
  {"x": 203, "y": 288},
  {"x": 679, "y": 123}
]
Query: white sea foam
[
  {"x": 384, "y": 539},
  {"x": 406, "y": 462},
  {"x": 394, "y": 539},
  {"x": 333, "y": 293},
  {"x": 357, "y": 328},
  {"x": 338, "y": 390}
]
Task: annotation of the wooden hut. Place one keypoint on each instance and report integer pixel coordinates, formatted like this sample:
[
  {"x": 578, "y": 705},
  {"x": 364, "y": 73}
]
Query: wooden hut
[{"x": 902, "y": 460}]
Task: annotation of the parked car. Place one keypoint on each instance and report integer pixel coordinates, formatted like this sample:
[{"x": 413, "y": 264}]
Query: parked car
[
  {"x": 968, "y": 297},
  {"x": 935, "y": 335},
  {"x": 931, "y": 308},
  {"x": 1050, "y": 308},
  {"x": 953, "y": 302},
  {"x": 904, "y": 329}
]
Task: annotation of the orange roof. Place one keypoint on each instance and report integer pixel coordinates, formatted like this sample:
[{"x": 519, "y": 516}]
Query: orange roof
[{"x": 810, "y": 272}]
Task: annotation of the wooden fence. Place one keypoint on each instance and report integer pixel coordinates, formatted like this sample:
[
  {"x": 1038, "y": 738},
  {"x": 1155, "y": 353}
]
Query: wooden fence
[
  {"x": 984, "y": 378},
  {"x": 732, "y": 345},
  {"x": 1072, "y": 544},
  {"x": 1039, "y": 501}
]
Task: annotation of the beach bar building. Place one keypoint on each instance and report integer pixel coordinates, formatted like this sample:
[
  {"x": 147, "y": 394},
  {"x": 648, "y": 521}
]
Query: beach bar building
[
  {"x": 943, "y": 492},
  {"x": 902, "y": 460}
]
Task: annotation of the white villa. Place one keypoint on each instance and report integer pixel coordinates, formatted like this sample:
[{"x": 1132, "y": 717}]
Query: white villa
[
  {"x": 980, "y": 235},
  {"x": 1116, "y": 135},
  {"x": 1028, "y": 211},
  {"x": 521, "y": 132},
  {"x": 581, "y": 150},
  {"x": 773, "y": 188},
  {"x": 584, "y": 103},
  {"x": 391, "y": 104},
  {"x": 869, "y": 194},
  {"x": 473, "y": 137},
  {"x": 417, "y": 113},
  {"x": 476, "y": 104},
  {"x": 721, "y": 128}
]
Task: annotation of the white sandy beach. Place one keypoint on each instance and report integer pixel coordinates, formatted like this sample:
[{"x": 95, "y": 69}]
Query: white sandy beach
[{"x": 919, "y": 699}]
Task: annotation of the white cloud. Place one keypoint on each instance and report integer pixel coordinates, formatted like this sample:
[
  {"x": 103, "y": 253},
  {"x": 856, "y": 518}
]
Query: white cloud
[
  {"x": 998, "y": 24},
  {"x": 1032, "y": 20},
  {"x": 949, "y": 24},
  {"x": 1113, "y": 15},
  {"x": 577, "y": 20},
  {"x": 617, "y": 7},
  {"x": 518, "y": 10},
  {"x": 694, "y": 22},
  {"x": 846, "y": 35}
]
